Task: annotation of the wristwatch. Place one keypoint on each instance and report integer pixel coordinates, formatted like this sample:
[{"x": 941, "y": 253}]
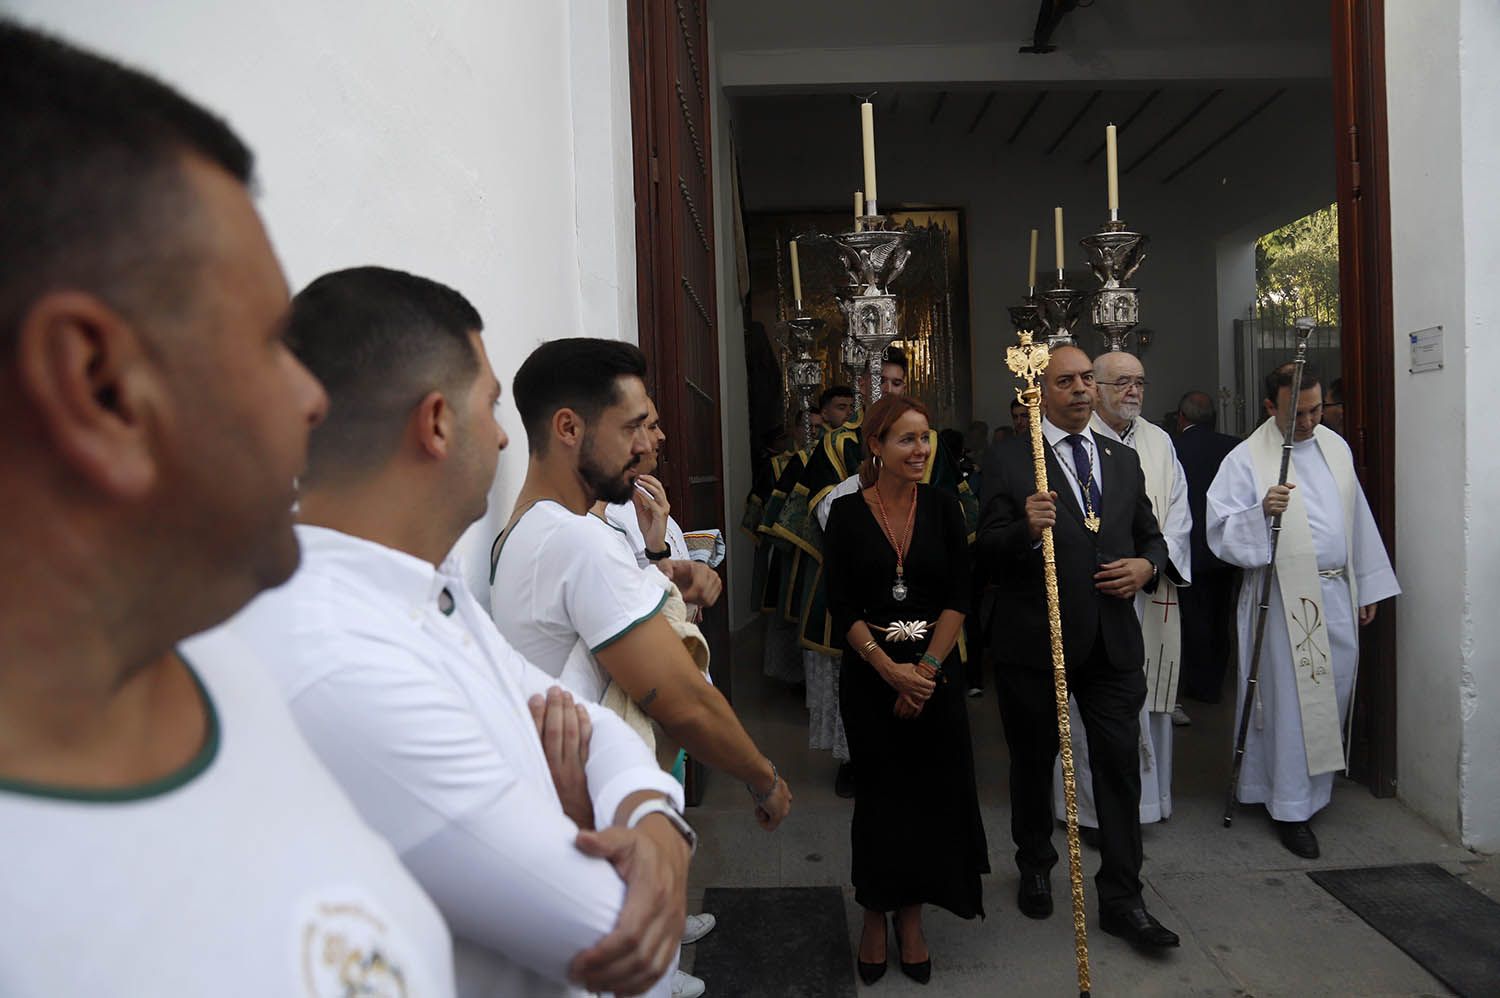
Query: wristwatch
[
  {"x": 659, "y": 805},
  {"x": 662, "y": 555}
]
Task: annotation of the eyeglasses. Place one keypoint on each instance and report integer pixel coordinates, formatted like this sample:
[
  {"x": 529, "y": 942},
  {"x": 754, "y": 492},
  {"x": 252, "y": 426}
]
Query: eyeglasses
[{"x": 1124, "y": 383}]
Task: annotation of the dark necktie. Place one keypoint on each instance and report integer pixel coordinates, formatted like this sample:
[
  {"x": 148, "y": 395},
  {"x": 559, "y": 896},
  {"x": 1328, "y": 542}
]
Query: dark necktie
[{"x": 1085, "y": 470}]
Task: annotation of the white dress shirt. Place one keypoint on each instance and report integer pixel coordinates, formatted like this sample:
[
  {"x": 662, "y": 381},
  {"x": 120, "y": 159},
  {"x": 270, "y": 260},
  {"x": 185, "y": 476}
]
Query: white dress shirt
[
  {"x": 416, "y": 703},
  {"x": 1057, "y": 439},
  {"x": 623, "y": 517}
]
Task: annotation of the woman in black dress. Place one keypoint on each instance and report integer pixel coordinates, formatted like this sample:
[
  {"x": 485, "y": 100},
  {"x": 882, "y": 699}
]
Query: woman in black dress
[{"x": 897, "y": 564}]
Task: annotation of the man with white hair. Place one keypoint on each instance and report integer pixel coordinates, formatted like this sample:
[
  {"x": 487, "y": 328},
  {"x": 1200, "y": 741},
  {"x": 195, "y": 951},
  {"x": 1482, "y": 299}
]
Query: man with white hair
[{"x": 1121, "y": 381}]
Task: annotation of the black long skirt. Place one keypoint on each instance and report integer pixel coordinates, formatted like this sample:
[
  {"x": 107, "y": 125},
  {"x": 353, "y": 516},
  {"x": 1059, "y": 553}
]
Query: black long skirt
[{"x": 917, "y": 834}]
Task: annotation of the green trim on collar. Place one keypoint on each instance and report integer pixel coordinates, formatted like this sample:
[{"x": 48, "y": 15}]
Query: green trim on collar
[
  {"x": 143, "y": 791},
  {"x": 499, "y": 543},
  {"x": 630, "y": 626}
]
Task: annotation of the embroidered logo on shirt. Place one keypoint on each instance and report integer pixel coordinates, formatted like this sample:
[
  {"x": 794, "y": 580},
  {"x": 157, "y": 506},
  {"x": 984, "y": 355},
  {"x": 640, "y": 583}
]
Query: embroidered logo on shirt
[{"x": 346, "y": 952}]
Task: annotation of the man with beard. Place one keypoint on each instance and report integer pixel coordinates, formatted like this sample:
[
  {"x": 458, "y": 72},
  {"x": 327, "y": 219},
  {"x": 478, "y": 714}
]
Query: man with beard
[
  {"x": 567, "y": 594},
  {"x": 557, "y": 859},
  {"x": 645, "y": 518}
]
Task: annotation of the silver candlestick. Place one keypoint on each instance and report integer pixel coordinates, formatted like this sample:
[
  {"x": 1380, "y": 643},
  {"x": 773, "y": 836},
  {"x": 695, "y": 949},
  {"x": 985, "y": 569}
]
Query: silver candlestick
[
  {"x": 1058, "y": 310},
  {"x": 1114, "y": 253},
  {"x": 804, "y": 372},
  {"x": 1026, "y": 317},
  {"x": 853, "y": 357},
  {"x": 873, "y": 257}
]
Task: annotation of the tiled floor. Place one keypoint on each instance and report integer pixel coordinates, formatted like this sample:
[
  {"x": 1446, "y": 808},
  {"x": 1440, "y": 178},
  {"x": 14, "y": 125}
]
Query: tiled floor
[{"x": 1250, "y": 922}]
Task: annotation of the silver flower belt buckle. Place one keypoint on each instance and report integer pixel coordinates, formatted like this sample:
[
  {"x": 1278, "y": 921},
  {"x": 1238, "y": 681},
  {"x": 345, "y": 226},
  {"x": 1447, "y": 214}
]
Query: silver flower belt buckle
[{"x": 904, "y": 630}]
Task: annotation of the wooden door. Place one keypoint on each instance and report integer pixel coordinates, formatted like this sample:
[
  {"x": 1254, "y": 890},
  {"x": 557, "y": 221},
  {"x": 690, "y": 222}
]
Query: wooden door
[
  {"x": 670, "y": 103},
  {"x": 1369, "y": 348}
]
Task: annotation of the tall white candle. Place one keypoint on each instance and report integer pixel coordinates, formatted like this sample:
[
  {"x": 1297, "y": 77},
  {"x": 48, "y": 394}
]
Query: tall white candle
[
  {"x": 1112, "y": 164},
  {"x": 1057, "y": 223},
  {"x": 867, "y": 126},
  {"x": 796, "y": 276},
  {"x": 859, "y": 211},
  {"x": 1031, "y": 267}
]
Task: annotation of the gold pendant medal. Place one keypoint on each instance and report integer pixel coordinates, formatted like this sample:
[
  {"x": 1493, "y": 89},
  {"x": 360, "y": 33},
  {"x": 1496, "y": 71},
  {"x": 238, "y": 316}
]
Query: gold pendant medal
[{"x": 1092, "y": 522}]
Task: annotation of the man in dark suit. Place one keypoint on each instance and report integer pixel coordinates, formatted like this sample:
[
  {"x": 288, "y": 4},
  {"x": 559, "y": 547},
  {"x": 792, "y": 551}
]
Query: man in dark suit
[
  {"x": 1108, "y": 547},
  {"x": 1208, "y": 609}
]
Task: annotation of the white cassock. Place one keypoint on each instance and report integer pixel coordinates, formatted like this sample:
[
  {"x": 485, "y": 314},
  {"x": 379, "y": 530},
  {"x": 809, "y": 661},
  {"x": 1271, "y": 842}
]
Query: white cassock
[
  {"x": 1166, "y": 484},
  {"x": 1298, "y": 717}
]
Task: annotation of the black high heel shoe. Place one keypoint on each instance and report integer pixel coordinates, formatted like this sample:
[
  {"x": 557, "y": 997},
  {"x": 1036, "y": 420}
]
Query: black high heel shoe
[
  {"x": 919, "y": 972},
  {"x": 872, "y": 972}
]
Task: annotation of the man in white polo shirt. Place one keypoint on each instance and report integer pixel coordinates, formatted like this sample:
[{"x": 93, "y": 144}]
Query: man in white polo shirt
[
  {"x": 563, "y": 586},
  {"x": 166, "y": 831},
  {"x": 403, "y": 686}
]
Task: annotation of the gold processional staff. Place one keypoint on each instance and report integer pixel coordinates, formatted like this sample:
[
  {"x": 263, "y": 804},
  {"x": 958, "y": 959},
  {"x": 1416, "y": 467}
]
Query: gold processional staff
[{"x": 1028, "y": 360}]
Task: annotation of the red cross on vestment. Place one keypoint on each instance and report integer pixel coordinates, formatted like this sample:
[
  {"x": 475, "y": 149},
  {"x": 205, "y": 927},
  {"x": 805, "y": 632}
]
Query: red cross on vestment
[{"x": 1166, "y": 607}]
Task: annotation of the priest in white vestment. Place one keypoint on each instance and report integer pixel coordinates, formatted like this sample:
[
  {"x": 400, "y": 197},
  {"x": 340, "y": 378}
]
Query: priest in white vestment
[
  {"x": 1329, "y": 560},
  {"x": 1121, "y": 380}
]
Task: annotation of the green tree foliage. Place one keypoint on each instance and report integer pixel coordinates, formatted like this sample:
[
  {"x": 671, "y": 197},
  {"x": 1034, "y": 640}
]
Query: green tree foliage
[{"x": 1297, "y": 269}]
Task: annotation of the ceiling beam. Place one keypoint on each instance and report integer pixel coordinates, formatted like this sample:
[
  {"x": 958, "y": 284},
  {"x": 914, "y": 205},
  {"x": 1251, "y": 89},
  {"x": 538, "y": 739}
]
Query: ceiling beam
[
  {"x": 1093, "y": 97},
  {"x": 1130, "y": 120},
  {"x": 984, "y": 109},
  {"x": 1212, "y": 145},
  {"x": 1048, "y": 16},
  {"x": 1197, "y": 110},
  {"x": 1026, "y": 118},
  {"x": 937, "y": 106}
]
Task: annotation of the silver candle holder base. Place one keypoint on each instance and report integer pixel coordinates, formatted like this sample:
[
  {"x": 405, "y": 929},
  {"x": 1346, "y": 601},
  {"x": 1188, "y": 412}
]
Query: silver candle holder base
[
  {"x": 1114, "y": 253},
  {"x": 804, "y": 373},
  {"x": 873, "y": 256},
  {"x": 1059, "y": 309}
]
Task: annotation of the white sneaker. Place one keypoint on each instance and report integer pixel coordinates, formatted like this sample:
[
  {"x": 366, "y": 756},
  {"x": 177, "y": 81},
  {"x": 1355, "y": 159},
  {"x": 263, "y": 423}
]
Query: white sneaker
[
  {"x": 685, "y": 985},
  {"x": 696, "y": 927},
  {"x": 1180, "y": 717}
]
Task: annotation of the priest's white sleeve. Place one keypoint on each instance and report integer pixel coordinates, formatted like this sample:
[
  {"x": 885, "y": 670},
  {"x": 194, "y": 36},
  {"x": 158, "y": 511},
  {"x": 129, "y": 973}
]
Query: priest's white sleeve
[
  {"x": 1237, "y": 528},
  {"x": 848, "y": 486},
  {"x": 619, "y": 763},
  {"x": 491, "y": 847},
  {"x": 1178, "y": 528},
  {"x": 1374, "y": 579}
]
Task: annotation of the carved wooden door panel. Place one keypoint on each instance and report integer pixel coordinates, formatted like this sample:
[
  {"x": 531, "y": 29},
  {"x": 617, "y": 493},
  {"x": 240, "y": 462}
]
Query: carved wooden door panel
[
  {"x": 670, "y": 104},
  {"x": 1369, "y": 348}
]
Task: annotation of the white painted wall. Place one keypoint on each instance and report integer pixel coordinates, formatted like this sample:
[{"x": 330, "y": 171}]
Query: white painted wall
[
  {"x": 1479, "y": 684},
  {"x": 484, "y": 145},
  {"x": 1441, "y": 80},
  {"x": 1235, "y": 259}
]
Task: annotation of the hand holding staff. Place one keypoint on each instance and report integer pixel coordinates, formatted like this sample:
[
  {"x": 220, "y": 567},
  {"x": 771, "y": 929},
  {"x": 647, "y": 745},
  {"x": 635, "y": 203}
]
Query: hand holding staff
[
  {"x": 1028, "y": 360},
  {"x": 1275, "y": 505}
]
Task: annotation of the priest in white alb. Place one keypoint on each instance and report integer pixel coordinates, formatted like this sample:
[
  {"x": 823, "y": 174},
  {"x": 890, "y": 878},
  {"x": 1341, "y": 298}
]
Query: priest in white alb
[
  {"x": 1121, "y": 382},
  {"x": 1330, "y": 559}
]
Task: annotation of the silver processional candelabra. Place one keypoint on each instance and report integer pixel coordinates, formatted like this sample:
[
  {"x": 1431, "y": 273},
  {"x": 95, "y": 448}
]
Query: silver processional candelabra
[
  {"x": 1114, "y": 253},
  {"x": 873, "y": 256},
  {"x": 804, "y": 372}
]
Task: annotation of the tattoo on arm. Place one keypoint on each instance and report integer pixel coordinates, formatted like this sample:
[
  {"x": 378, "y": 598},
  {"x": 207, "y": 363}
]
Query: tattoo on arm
[{"x": 647, "y": 700}]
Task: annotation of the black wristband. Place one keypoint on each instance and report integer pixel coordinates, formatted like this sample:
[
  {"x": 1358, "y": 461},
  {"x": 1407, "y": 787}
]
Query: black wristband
[{"x": 658, "y": 555}]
